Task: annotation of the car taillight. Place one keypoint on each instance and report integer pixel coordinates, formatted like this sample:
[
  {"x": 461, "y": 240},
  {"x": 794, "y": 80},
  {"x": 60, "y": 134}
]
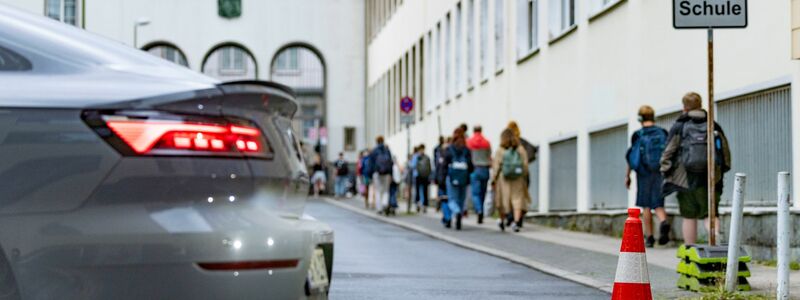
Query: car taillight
[{"x": 162, "y": 134}]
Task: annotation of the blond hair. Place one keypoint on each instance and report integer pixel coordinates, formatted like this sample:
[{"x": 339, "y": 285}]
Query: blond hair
[
  {"x": 514, "y": 128},
  {"x": 647, "y": 113},
  {"x": 692, "y": 101}
]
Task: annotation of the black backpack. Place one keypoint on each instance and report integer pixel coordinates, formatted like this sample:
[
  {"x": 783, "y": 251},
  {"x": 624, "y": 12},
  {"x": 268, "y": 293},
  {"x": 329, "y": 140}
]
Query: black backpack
[
  {"x": 383, "y": 161},
  {"x": 424, "y": 166},
  {"x": 694, "y": 147}
]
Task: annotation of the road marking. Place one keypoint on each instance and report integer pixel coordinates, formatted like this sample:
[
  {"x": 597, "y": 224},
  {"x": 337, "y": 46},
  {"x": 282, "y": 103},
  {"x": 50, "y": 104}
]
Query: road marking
[{"x": 533, "y": 264}]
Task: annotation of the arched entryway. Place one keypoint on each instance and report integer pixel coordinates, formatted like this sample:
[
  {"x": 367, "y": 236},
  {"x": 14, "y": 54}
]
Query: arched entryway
[{"x": 302, "y": 68}]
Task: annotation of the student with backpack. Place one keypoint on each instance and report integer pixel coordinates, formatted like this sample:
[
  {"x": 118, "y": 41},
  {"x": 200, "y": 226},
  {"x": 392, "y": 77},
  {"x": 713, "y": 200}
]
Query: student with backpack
[
  {"x": 458, "y": 163},
  {"x": 510, "y": 168},
  {"x": 365, "y": 171},
  {"x": 684, "y": 165},
  {"x": 382, "y": 163},
  {"x": 531, "y": 151},
  {"x": 644, "y": 157},
  {"x": 482, "y": 159},
  {"x": 423, "y": 169},
  {"x": 441, "y": 176}
]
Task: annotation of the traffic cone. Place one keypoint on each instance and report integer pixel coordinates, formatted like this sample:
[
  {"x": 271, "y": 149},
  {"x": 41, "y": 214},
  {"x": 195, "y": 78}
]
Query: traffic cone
[{"x": 632, "y": 281}]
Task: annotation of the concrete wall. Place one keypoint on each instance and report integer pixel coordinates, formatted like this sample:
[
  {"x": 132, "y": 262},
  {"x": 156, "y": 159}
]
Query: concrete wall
[
  {"x": 592, "y": 78},
  {"x": 334, "y": 28}
]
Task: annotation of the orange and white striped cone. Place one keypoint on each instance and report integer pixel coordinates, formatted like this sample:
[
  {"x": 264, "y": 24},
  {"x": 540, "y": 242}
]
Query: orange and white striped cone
[{"x": 632, "y": 282}]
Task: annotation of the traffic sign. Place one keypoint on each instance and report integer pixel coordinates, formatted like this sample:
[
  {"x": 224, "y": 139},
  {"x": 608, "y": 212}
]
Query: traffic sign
[
  {"x": 706, "y": 14},
  {"x": 407, "y": 109},
  {"x": 406, "y": 105}
]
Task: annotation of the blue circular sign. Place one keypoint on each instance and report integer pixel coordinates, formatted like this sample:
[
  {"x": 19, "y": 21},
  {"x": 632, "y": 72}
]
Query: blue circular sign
[{"x": 406, "y": 104}]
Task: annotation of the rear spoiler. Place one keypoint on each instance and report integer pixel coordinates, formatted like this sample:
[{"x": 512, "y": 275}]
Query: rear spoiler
[{"x": 272, "y": 96}]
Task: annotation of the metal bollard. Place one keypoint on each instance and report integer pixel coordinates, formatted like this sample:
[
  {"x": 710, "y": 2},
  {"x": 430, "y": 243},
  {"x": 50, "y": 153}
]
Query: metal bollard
[
  {"x": 784, "y": 201},
  {"x": 732, "y": 271}
]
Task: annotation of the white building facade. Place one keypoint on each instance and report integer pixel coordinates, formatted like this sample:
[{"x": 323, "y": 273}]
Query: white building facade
[
  {"x": 573, "y": 74},
  {"x": 315, "y": 46}
]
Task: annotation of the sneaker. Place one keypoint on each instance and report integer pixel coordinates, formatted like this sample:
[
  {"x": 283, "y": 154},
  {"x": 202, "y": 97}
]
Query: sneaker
[
  {"x": 663, "y": 237},
  {"x": 480, "y": 218},
  {"x": 650, "y": 242},
  {"x": 502, "y": 225},
  {"x": 446, "y": 224},
  {"x": 515, "y": 227},
  {"x": 458, "y": 222},
  {"x": 418, "y": 209}
]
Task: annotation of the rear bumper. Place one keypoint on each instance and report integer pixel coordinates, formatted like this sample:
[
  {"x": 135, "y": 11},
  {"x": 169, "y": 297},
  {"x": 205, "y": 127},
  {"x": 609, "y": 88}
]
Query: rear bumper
[{"x": 137, "y": 253}]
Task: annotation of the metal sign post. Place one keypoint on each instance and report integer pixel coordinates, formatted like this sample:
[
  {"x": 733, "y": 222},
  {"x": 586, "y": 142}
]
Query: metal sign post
[
  {"x": 710, "y": 14},
  {"x": 406, "y": 118},
  {"x": 712, "y": 203}
]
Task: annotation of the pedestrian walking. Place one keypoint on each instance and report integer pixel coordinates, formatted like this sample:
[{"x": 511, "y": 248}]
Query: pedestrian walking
[
  {"x": 318, "y": 177},
  {"x": 381, "y": 160},
  {"x": 509, "y": 170},
  {"x": 458, "y": 161},
  {"x": 422, "y": 174},
  {"x": 531, "y": 151},
  {"x": 441, "y": 175},
  {"x": 341, "y": 176},
  {"x": 481, "y": 152},
  {"x": 365, "y": 171},
  {"x": 394, "y": 187},
  {"x": 644, "y": 157},
  {"x": 684, "y": 165}
]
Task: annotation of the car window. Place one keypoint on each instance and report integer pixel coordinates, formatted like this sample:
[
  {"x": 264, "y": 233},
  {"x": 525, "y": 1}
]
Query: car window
[
  {"x": 290, "y": 140},
  {"x": 12, "y": 61}
]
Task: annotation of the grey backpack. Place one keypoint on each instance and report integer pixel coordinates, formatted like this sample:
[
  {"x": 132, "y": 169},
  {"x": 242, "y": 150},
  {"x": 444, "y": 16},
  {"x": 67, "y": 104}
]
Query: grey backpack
[{"x": 694, "y": 147}]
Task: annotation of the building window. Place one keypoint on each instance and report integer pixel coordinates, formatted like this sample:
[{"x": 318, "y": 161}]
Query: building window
[
  {"x": 484, "y": 48},
  {"x": 499, "y": 31},
  {"x": 562, "y": 14},
  {"x": 169, "y": 53},
  {"x": 230, "y": 63},
  {"x": 447, "y": 58},
  {"x": 458, "y": 43},
  {"x": 470, "y": 40},
  {"x": 287, "y": 61},
  {"x": 600, "y": 5},
  {"x": 437, "y": 66},
  {"x": 527, "y": 27},
  {"x": 349, "y": 139},
  {"x": 63, "y": 10}
]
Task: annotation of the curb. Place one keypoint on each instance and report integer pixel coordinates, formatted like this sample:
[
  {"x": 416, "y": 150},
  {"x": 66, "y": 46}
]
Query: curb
[{"x": 530, "y": 263}]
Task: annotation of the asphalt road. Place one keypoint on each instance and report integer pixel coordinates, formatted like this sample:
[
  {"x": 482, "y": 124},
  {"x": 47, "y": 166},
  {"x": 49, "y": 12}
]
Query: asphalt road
[{"x": 375, "y": 260}]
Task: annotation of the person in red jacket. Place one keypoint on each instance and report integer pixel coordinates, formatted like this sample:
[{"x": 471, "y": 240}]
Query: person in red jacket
[{"x": 482, "y": 160}]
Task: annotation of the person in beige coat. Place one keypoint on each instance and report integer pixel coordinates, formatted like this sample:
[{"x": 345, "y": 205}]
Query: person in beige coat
[{"x": 511, "y": 192}]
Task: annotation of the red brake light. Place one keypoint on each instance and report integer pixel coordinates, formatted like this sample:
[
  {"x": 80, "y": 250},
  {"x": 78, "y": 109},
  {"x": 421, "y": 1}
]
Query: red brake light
[{"x": 177, "y": 135}]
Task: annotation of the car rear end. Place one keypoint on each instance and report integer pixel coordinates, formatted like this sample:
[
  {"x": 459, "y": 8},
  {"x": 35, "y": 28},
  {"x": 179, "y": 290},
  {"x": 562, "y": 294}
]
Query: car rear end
[{"x": 123, "y": 177}]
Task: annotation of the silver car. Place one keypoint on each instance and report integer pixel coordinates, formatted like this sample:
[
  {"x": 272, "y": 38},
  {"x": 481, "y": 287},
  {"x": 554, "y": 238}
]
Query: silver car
[{"x": 124, "y": 176}]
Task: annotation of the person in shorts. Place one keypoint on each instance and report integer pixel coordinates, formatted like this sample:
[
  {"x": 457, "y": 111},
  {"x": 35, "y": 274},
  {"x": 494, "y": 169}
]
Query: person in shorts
[{"x": 683, "y": 165}]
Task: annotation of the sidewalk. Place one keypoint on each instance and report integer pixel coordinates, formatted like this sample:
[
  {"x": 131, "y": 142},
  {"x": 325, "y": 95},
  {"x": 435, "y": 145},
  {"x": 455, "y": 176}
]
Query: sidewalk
[{"x": 585, "y": 258}]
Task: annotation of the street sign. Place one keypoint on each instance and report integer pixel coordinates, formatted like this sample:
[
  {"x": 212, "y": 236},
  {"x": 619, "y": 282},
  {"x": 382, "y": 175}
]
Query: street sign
[
  {"x": 705, "y": 14},
  {"x": 709, "y": 15},
  {"x": 406, "y": 105},
  {"x": 407, "y": 110}
]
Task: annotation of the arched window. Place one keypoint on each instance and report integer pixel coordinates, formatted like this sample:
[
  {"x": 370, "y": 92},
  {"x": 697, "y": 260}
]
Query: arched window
[
  {"x": 302, "y": 69},
  {"x": 168, "y": 52},
  {"x": 230, "y": 63}
]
